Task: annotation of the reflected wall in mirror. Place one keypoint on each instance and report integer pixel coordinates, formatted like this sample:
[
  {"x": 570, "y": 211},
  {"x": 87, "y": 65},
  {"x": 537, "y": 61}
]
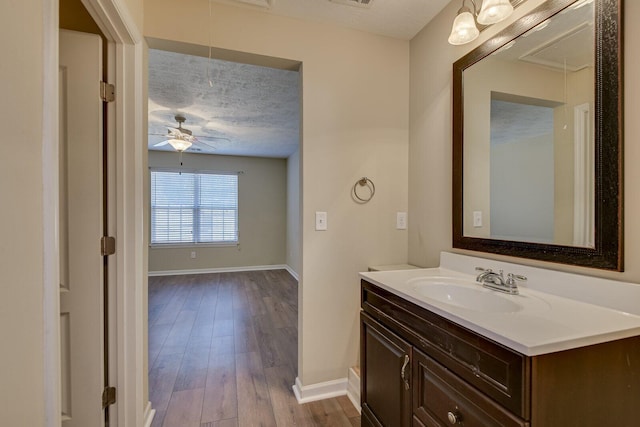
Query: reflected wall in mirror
[{"x": 537, "y": 146}]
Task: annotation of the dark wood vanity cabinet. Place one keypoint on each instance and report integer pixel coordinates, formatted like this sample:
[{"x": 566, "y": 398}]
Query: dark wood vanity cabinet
[
  {"x": 420, "y": 369},
  {"x": 387, "y": 358}
]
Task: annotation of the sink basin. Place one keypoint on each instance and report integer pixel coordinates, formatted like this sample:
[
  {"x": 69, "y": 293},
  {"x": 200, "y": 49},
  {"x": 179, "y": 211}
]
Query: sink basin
[{"x": 464, "y": 294}]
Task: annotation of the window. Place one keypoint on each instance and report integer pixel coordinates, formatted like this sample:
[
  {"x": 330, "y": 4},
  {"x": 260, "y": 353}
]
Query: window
[{"x": 193, "y": 207}]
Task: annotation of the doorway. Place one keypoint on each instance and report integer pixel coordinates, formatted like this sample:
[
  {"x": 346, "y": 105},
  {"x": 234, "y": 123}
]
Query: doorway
[
  {"x": 124, "y": 47},
  {"x": 215, "y": 308}
]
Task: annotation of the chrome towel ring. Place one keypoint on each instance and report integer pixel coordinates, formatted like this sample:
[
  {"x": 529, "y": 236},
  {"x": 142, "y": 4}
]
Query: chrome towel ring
[{"x": 364, "y": 182}]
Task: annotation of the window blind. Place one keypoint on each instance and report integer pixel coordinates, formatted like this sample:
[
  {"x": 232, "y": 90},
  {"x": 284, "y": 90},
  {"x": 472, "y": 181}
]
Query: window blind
[{"x": 193, "y": 207}]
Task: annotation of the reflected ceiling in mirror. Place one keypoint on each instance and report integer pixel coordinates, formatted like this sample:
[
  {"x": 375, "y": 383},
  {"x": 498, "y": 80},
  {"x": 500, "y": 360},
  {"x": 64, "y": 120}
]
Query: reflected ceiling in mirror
[{"x": 535, "y": 132}]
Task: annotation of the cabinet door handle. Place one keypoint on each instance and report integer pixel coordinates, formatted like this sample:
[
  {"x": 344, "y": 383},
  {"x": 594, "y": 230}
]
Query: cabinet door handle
[{"x": 402, "y": 372}]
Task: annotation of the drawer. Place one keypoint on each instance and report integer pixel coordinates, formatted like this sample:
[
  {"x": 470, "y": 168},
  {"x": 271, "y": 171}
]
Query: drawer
[
  {"x": 441, "y": 398},
  {"x": 495, "y": 370}
]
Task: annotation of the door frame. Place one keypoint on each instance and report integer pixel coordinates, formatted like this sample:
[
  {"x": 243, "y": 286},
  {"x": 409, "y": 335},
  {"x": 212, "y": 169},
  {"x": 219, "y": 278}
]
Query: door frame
[{"x": 126, "y": 58}]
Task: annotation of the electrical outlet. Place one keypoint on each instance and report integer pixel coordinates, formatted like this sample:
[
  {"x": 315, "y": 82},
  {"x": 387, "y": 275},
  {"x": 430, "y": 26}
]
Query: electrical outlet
[
  {"x": 321, "y": 221},
  {"x": 193, "y": 254},
  {"x": 401, "y": 220}
]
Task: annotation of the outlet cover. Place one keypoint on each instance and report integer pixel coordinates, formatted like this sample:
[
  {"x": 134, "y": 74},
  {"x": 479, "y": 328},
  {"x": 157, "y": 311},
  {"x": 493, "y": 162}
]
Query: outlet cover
[
  {"x": 321, "y": 221},
  {"x": 401, "y": 220},
  {"x": 477, "y": 219}
]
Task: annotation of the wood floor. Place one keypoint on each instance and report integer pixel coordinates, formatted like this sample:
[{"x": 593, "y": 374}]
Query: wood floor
[{"x": 223, "y": 353}]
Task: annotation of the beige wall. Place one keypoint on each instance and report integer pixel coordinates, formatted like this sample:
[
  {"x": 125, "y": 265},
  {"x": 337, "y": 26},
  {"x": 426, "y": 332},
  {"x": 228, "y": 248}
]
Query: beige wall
[
  {"x": 294, "y": 250},
  {"x": 21, "y": 216},
  {"x": 262, "y": 214},
  {"x": 136, "y": 12},
  {"x": 355, "y": 123},
  {"x": 430, "y": 143}
]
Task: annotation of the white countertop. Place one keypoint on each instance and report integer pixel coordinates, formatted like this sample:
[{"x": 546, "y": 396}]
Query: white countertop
[{"x": 544, "y": 322}]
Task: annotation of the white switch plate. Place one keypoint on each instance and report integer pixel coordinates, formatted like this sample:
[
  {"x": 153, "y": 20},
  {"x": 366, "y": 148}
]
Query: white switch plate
[
  {"x": 193, "y": 254},
  {"x": 401, "y": 220},
  {"x": 321, "y": 221},
  {"x": 477, "y": 218}
]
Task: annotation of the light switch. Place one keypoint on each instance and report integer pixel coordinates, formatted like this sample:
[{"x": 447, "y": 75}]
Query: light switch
[
  {"x": 193, "y": 254},
  {"x": 401, "y": 220},
  {"x": 321, "y": 221},
  {"x": 477, "y": 218}
]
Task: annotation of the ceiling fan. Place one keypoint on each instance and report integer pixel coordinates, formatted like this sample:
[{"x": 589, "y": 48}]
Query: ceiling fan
[{"x": 182, "y": 139}]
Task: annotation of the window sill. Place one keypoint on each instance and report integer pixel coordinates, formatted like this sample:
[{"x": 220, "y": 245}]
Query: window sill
[{"x": 192, "y": 245}]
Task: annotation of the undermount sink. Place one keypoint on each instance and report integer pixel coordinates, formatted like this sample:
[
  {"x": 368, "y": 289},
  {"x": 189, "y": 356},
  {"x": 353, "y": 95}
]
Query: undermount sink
[{"x": 464, "y": 294}]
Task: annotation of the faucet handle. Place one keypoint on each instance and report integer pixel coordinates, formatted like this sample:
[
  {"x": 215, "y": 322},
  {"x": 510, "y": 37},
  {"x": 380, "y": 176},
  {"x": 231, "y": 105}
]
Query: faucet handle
[
  {"x": 512, "y": 278},
  {"x": 486, "y": 270}
]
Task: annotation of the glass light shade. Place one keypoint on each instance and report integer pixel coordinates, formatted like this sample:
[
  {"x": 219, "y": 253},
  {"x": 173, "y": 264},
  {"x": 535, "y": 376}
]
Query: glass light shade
[
  {"x": 464, "y": 28},
  {"x": 180, "y": 144},
  {"x": 493, "y": 11}
]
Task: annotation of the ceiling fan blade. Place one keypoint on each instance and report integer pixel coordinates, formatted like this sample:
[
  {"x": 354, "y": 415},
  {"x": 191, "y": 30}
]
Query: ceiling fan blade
[
  {"x": 215, "y": 138},
  {"x": 204, "y": 145},
  {"x": 160, "y": 144}
]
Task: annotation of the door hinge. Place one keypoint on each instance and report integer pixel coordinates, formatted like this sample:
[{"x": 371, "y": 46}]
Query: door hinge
[
  {"x": 108, "y": 397},
  {"x": 107, "y": 245},
  {"x": 107, "y": 92}
]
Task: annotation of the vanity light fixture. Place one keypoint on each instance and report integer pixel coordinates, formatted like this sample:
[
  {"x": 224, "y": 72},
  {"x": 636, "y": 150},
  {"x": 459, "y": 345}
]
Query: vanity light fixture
[
  {"x": 464, "y": 28},
  {"x": 493, "y": 11}
]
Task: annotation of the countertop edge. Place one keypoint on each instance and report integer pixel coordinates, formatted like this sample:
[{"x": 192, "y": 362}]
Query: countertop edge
[{"x": 523, "y": 348}]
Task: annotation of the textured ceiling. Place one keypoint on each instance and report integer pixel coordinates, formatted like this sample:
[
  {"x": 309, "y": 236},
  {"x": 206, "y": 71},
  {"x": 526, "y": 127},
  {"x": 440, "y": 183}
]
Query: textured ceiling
[{"x": 248, "y": 110}]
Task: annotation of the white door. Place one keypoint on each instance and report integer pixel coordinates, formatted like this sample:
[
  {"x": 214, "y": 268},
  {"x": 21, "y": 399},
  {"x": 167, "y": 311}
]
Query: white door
[{"x": 81, "y": 216}]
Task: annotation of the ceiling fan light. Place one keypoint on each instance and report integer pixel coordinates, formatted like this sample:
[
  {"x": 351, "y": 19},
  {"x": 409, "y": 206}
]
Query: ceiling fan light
[
  {"x": 464, "y": 28},
  {"x": 180, "y": 144},
  {"x": 493, "y": 11}
]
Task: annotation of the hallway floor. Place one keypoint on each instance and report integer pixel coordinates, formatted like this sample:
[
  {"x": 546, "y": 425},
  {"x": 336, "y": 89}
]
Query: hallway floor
[{"x": 223, "y": 353}]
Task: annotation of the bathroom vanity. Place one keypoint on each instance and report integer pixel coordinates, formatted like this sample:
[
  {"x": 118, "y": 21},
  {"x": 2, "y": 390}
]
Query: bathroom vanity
[{"x": 438, "y": 349}]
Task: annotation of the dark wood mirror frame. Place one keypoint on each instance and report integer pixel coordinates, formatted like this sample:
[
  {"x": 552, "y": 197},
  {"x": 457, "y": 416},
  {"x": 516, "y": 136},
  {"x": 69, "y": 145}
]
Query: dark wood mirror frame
[{"x": 608, "y": 251}]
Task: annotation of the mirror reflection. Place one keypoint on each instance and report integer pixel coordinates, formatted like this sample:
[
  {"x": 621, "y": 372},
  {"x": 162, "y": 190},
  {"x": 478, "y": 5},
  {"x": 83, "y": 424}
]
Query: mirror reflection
[{"x": 528, "y": 131}]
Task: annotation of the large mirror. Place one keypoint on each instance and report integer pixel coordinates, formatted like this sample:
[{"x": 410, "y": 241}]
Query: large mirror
[{"x": 537, "y": 138}]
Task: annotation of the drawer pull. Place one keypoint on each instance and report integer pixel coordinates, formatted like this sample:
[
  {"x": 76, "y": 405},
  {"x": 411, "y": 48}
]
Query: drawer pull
[
  {"x": 402, "y": 372},
  {"x": 454, "y": 417}
]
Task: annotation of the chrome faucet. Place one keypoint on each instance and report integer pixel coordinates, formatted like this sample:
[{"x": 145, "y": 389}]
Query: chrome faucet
[{"x": 496, "y": 281}]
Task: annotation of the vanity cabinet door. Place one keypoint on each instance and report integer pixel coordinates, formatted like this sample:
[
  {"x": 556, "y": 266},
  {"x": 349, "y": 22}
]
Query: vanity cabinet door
[
  {"x": 441, "y": 398},
  {"x": 386, "y": 376}
]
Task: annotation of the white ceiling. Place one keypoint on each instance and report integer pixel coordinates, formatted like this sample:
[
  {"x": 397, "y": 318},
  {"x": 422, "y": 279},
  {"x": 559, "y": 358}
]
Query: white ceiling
[
  {"x": 401, "y": 19},
  {"x": 252, "y": 110}
]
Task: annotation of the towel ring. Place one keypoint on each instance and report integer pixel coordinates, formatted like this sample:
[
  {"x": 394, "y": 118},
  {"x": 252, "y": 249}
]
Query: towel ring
[{"x": 364, "y": 182}]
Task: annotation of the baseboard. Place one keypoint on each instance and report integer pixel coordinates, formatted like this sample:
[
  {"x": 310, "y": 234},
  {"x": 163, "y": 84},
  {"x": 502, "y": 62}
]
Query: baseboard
[
  {"x": 149, "y": 413},
  {"x": 353, "y": 387},
  {"x": 220, "y": 270},
  {"x": 326, "y": 390},
  {"x": 292, "y": 273}
]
